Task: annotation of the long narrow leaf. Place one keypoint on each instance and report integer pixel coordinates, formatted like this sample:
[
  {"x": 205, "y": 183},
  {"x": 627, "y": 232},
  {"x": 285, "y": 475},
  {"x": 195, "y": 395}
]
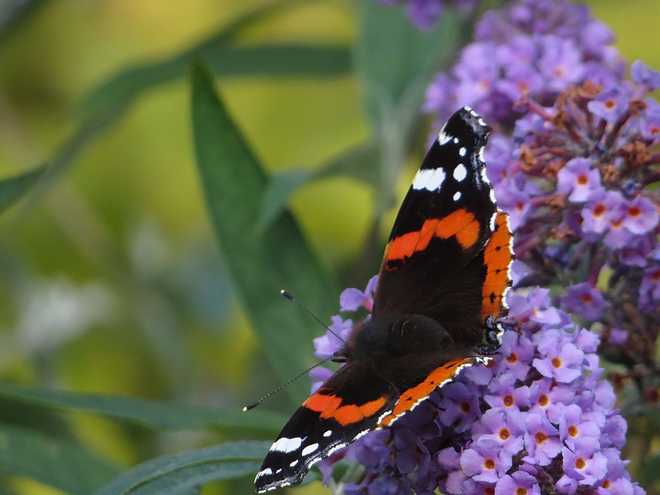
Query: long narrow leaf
[
  {"x": 396, "y": 60},
  {"x": 234, "y": 184},
  {"x": 180, "y": 472},
  {"x": 67, "y": 467},
  {"x": 283, "y": 60},
  {"x": 359, "y": 162},
  {"x": 13, "y": 188},
  {"x": 111, "y": 99},
  {"x": 152, "y": 414}
]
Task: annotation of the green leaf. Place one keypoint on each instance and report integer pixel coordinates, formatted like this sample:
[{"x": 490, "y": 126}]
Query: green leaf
[
  {"x": 272, "y": 60},
  {"x": 180, "y": 473},
  {"x": 234, "y": 185},
  {"x": 649, "y": 471},
  {"x": 360, "y": 162},
  {"x": 13, "y": 13},
  {"x": 152, "y": 414},
  {"x": 13, "y": 188},
  {"x": 396, "y": 60},
  {"x": 33, "y": 455},
  {"x": 111, "y": 99}
]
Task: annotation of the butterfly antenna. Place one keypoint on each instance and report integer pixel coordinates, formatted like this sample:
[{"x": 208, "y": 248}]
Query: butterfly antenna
[
  {"x": 285, "y": 385},
  {"x": 287, "y": 295}
]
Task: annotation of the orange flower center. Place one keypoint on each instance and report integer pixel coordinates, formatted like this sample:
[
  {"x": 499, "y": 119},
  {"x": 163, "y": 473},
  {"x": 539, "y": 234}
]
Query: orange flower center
[
  {"x": 610, "y": 103},
  {"x": 508, "y": 400},
  {"x": 489, "y": 464},
  {"x": 521, "y": 491},
  {"x": 512, "y": 358},
  {"x": 599, "y": 209},
  {"x": 606, "y": 484},
  {"x": 465, "y": 407},
  {"x": 540, "y": 437},
  {"x": 489, "y": 490},
  {"x": 556, "y": 362},
  {"x": 504, "y": 433},
  {"x": 544, "y": 400},
  {"x": 586, "y": 298},
  {"x": 583, "y": 180},
  {"x": 634, "y": 211},
  {"x": 572, "y": 431},
  {"x": 580, "y": 463}
]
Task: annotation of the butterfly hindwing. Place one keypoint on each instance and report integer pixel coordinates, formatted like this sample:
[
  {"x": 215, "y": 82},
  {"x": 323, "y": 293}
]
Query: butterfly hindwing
[{"x": 348, "y": 405}]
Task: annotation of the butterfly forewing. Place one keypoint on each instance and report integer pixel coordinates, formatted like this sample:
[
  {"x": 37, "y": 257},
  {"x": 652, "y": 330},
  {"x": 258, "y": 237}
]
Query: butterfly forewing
[
  {"x": 349, "y": 404},
  {"x": 434, "y": 262}
]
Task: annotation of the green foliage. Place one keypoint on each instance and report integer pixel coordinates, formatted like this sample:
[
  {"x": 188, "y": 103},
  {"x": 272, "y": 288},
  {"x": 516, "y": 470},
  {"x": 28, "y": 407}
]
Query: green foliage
[
  {"x": 52, "y": 462},
  {"x": 262, "y": 244},
  {"x": 182, "y": 473},
  {"x": 13, "y": 188},
  {"x": 151, "y": 414},
  {"x": 106, "y": 103},
  {"x": 234, "y": 183},
  {"x": 360, "y": 163}
]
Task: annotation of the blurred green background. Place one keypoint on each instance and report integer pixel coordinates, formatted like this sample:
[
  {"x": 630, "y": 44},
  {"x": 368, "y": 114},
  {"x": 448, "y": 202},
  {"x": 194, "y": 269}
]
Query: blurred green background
[{"x": 110, "y": 278}]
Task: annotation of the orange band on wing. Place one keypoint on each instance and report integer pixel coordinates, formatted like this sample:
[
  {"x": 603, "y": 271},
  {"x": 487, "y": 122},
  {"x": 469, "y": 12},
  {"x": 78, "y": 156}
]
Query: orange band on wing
[
  {"x": 329, "y": 407},
  {"x": 497, "y": 258},
  {"x": 460, "y": 223},
  {"x": 413, "y": 396}
]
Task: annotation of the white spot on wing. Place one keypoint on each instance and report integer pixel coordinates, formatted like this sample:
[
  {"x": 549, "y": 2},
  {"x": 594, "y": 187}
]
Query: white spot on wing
[
  {"x": 492, "y": 196},
  {"x": 310, "y": 448},
  {"x": 430, "y": 179},
  {"x": 462, "y": 151},
  {"x": 361, "y": 434},
  {"x": 481, "y": 153},
  {"x": 484, "y": 175},
  {"x": 492, "y": 221},
  {"x": 265, "y": 472},
  {"x": 336, "y": 448},
  {"x": 286, "y": 445},
  {"x": 457, "y": 196},
  {"x": 442, "y": 137},
  {"x": 293, "y": 463},
  {"x": 455, "y": 140},
  {"x": 460, "y": 172},
  {"x": 327, "y": 433}
]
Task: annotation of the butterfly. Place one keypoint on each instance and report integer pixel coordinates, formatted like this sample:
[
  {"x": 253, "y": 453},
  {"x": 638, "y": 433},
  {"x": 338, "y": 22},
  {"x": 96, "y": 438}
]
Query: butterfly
[{"x": 437, "y": 307}]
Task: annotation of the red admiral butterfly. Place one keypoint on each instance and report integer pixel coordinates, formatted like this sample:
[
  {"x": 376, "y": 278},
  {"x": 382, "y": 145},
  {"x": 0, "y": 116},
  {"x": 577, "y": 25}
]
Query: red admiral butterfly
[{"x": 440, "y": 293}]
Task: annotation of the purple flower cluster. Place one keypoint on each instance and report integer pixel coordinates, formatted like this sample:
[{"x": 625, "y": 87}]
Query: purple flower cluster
[
  {"x": 539, "y": 418},
  {"x": 576, "y": 180},
  {"x": 573, "y": 163},
  {"x": 425, "y": 13},
  {"x": 533, "y": 49}
]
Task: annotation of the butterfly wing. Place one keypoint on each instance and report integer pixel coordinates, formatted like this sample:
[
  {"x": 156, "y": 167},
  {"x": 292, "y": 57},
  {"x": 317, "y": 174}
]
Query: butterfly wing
[
  {"x": 347, "y": 406},
  {"x": 440, "y": 254}
]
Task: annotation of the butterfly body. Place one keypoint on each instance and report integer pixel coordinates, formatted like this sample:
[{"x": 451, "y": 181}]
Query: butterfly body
[{"x": 440, "y": 293}]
